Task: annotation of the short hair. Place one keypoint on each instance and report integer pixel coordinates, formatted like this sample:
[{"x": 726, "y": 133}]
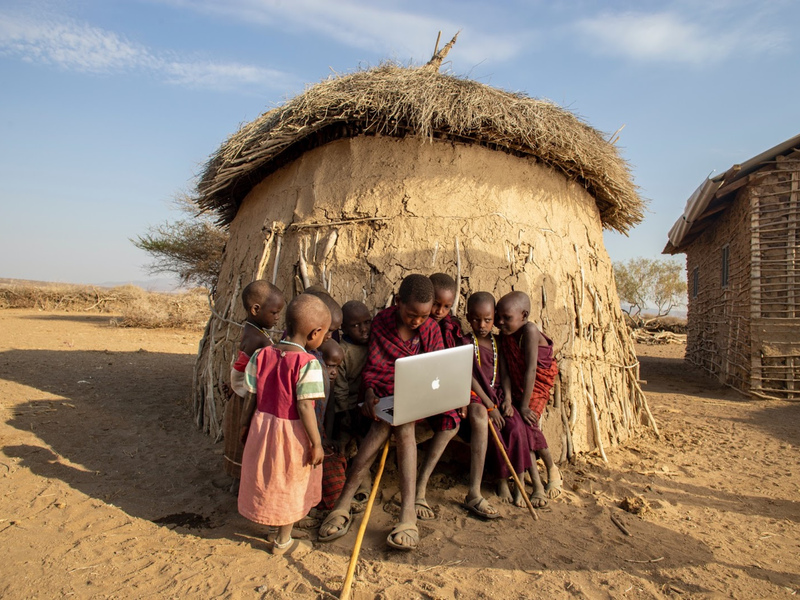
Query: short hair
[
  {"x": 330, "y": 348},
  {"x": 415, "y": 288},
  {"x": 517, "y": 300},
  {"x": 479, "y": 298},
  {"x": 352, "y": 307},
  {"x": 305, "y": 313},
  {"x": 258, "y": 292},
  {"x": 333, "y": 306},
  {"x": 443, "y": 282}
]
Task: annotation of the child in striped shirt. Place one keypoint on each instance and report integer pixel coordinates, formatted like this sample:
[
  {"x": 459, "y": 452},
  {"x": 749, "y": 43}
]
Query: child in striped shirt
[{"x": 281, "y": 480}]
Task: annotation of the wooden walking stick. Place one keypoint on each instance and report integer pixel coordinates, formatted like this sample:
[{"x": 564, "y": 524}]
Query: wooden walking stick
[
  {"x": 351, "y": 568},
  {"x": 513, "y": 473}
]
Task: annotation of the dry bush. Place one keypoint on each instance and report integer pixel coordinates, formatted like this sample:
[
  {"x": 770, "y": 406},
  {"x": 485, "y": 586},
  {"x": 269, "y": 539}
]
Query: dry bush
[
  {"x": 136, "y": 307},
  {"x": 151, "y": 310}
]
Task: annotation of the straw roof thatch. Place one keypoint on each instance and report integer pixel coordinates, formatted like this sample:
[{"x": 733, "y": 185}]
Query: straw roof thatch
[{"x": 398, "y": 101}]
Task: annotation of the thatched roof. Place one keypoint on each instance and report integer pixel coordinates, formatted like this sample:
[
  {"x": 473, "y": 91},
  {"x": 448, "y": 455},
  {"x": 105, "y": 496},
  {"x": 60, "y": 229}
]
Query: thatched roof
[{"x": 398, "y": 101}]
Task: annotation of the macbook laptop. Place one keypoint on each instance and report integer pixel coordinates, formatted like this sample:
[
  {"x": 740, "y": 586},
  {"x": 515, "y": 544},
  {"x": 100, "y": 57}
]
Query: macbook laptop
[{"x": 428, "y": 384}]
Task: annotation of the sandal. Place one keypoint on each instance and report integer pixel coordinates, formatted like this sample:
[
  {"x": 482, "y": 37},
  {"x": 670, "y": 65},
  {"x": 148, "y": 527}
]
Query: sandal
[
  {"x": 422, "y": 503},
  {"x": 553, "y": 488},
  {"x": 541, "y": 498},
  {"x": 477, "y": 506},
  {"x": 345, "y": 527},
  {"x": 294, "y": 548},
  {"x": 410, "y": 528}
]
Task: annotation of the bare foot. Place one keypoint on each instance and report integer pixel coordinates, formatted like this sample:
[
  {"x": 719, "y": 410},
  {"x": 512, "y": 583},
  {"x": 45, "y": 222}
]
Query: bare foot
[
  {"x": 519, "y": 499},
  {"x": 503, "y": 492}
]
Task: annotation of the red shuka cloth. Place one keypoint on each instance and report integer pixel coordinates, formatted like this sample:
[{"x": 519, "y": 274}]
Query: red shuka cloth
[
  {"x": 386, "y": 346},
  {"x": 546, "y": 371}
]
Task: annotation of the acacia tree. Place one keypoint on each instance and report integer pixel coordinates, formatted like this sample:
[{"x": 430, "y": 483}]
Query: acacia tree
[
  {"x": 190, "y": 248},
  {"x": 641, "y": 281}
]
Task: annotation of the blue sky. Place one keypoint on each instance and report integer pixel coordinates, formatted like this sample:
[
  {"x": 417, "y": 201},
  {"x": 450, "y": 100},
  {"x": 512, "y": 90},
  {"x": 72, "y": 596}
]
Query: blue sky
[{"x": 109, "y": 109}]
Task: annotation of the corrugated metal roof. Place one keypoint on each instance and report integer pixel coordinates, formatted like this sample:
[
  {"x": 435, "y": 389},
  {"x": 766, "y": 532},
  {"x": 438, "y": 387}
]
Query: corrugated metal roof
[{"x": 715, "y": 194}]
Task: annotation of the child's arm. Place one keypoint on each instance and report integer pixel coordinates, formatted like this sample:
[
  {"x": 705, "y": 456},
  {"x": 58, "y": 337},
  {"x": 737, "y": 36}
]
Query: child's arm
[
  {"x": 505, "y": 383},
  {"x": 305, "y": 408},
  {"x": 250, "y": 401},
  {"x": 493, "y": 410},
  {"x": 341, "y": 388},
  {"x": 530, "y": 337}
]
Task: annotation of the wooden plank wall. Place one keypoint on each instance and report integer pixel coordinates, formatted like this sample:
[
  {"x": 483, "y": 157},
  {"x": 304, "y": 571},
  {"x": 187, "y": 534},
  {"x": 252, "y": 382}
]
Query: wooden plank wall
[{"x": 775, "y": 281}]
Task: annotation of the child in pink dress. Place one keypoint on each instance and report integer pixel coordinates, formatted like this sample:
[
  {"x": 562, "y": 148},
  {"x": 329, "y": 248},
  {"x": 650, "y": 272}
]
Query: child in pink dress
[{"x": 281, "y": 479}]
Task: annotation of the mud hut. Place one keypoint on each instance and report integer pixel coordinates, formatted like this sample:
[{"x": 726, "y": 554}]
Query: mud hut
[
  {"x": 740, "y": 234},
  {"x": 367, "y": 177}
]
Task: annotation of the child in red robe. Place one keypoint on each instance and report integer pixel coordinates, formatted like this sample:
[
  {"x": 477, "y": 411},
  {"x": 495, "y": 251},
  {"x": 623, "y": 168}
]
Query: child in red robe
[
  {"x": 532, "y": 372},
  {"x": 399, "y": 331},
  {"x": 445, "y": 426}
]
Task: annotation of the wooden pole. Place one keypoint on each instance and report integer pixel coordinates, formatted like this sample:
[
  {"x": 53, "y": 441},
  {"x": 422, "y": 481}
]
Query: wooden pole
[
  {"x": 351, "y": 568},
  {"x": 513, "y": 473}
]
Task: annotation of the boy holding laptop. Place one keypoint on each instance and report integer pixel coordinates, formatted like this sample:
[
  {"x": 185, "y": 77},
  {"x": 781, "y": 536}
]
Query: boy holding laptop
[{"x": 399, "y": 331}]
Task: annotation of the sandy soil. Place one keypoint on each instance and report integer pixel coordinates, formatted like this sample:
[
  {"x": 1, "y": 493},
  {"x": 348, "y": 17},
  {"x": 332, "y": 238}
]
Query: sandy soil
[{"x": 107, "y": 490}]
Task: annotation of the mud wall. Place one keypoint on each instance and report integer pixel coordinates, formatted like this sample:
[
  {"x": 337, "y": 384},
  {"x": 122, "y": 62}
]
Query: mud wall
[{"x": 357, "y": 215}]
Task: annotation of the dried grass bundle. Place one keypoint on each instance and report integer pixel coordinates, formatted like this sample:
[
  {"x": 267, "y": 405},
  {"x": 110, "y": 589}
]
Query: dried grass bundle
[{"x": 398, "y": 101}]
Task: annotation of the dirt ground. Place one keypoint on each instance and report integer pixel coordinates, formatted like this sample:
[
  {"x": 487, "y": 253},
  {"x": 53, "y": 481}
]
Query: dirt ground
[{"x": 107, "y": 490}]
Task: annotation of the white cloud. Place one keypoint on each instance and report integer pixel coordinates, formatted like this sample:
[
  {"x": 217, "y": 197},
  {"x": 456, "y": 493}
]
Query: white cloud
[
  {"x": 75, "y": 46},
  {"x": 368, "y": 25},
  {"x": 669, "y": 37}
]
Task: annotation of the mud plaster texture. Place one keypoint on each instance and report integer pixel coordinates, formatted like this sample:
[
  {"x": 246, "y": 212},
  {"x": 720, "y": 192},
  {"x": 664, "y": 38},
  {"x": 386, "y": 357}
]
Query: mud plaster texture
[{"x": 358, "y": 215}]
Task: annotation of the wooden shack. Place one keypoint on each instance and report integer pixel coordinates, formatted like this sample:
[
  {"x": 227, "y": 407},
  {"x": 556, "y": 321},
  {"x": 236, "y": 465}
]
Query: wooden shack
[{"x": 739, "y": 232}]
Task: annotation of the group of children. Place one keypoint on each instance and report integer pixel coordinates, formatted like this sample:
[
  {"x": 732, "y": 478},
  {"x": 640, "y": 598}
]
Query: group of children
[{"x": 299, "y": 404}]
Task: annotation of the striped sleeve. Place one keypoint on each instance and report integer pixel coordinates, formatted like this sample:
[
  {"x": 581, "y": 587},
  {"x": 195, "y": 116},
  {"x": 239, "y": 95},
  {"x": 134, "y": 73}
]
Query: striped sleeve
[
  {"x": 310, "y": 381},
  {"x": 251, "y": 373}
]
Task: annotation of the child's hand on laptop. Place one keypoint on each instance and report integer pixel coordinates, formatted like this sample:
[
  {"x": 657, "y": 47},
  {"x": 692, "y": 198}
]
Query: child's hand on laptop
[{"x": 368, "y": 406}]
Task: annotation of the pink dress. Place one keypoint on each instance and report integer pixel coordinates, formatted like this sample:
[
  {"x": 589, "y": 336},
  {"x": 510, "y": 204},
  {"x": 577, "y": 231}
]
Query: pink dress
[{"x": 278, "y": 484}]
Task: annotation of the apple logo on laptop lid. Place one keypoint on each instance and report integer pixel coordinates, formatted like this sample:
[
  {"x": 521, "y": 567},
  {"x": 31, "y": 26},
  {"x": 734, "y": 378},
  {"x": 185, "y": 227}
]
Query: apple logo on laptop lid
[{"x": 435, "y": 384}]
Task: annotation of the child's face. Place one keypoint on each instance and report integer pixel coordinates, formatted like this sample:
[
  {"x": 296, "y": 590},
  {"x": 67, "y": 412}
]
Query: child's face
[
  {"x": 481, "y": 319},
  {"x": 266, "y": 315},
  {"x": 413, "y": 314},
  {"x": 332, "y": 363},
  {"x": 442, "y": 303},
  {"x": 509, "y": 318},
  {"x": 357, "y": 326}
]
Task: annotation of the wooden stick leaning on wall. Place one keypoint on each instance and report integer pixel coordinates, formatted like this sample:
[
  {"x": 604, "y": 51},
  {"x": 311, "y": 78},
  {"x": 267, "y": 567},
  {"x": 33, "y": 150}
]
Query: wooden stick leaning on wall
[
  {"x": 514, "y": 475},
  {"x": 351, "y": 568}
]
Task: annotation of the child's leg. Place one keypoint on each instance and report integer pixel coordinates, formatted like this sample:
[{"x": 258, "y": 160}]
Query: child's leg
[
  {"x": 479, "y": 424},
  {"x": 407, "y": 467},
  {"x": 367, "y": 451},
  {"x": 284, "y": 544},
  {"x": 435, "y": 450},
  {"x": 503, "y": 491}
]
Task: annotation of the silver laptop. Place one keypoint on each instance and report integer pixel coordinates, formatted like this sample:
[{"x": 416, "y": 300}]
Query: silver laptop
[{"x": 428, "y": 384}]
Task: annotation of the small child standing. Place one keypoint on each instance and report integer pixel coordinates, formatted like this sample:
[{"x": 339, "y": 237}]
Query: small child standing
[
  {"x": 445, "y": 426},
  {"x": 335, "y": 464},
  {"x": 350, "y": 424},
  {"x": 532, "y": 371},
  {"x": 283, "y": 448},
  {"x": 263, "y": 303}
]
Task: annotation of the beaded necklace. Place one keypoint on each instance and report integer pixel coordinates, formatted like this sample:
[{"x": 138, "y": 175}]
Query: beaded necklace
[
  {"x": 263, "y": 331},
  {"x": 494, "y": 354}
]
